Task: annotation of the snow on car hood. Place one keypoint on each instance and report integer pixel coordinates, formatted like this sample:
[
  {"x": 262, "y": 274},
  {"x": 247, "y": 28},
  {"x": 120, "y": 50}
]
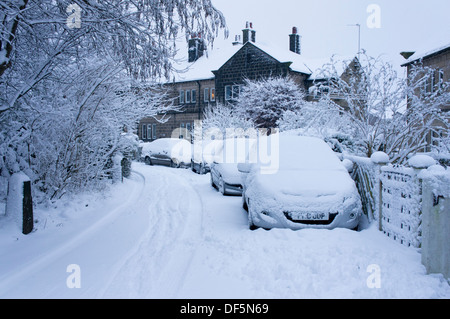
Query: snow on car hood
[
  {"x": 230, "y": 173},
  {"x": 308, "y": 187}
]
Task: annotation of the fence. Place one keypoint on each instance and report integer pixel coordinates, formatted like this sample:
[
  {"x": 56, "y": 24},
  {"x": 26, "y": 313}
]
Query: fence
[
  {"x": 401, "y": 204},
  {"x": 410, "y": 204}
]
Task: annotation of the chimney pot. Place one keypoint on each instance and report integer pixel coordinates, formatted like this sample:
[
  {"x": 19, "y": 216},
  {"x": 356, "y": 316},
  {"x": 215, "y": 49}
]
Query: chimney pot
[
  {"x": 294, "y": 30},
  {"x": 248, "y": 34}
]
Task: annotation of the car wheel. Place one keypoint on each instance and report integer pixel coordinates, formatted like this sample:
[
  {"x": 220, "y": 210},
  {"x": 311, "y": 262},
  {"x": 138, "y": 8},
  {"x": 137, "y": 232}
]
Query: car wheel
[
  {"x": 244, "y": 203},
  {"x": 251, "y": 225},
  {"x": 173, "y": 164},
  {"x": 148, "y": 161},
  {"x": 222, "y": 186}
]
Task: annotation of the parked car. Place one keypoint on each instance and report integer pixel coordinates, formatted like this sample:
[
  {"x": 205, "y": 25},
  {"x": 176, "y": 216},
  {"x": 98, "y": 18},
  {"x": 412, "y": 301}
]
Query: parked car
[
  {"x": 310, "y": 189},
  {"x": 225, "y": 176},
  {"x": 168, "y": 152},
  {"x": 203, "y": 155}
]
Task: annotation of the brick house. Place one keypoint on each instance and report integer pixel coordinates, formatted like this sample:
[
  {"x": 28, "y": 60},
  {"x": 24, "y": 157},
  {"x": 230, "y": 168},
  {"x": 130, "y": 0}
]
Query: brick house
[
  {"x": 439, "y": 61},
  {"x": 217, "y": 77}
]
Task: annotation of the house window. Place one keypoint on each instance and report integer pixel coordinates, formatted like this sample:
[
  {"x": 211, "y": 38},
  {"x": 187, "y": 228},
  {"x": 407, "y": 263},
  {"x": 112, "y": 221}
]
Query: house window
[
  {"x": 154, "y": 131},
  {"x": 441, "y": 79},
  {"x": 228, "y": 93},
  {"x": 213, "y": 94},
  {"x": 236, "y": 91},
  {"x": 149, "y": 132},
  {"x": 144, "y": 131},
  {"x": 188, "y": 96},
  {"x": 206, "y": 97},
  {"x": 181, "y": 97},
  {"x": 194, "y": 96},
  {"x": 188, "y": 127}
]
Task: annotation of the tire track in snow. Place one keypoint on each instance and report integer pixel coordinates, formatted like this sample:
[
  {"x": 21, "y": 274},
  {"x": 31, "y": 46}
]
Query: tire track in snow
[
  {"x": 31, "y": 268},
  {"x": 160, "y": 261}
]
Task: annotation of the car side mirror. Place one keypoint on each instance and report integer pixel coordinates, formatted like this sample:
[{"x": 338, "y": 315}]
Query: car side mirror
[{"x": 244, "y": 168}]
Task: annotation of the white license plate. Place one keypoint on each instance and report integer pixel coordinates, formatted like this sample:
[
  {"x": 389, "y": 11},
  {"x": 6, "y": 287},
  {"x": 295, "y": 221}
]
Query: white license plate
[{"x": 310, "y": 216}]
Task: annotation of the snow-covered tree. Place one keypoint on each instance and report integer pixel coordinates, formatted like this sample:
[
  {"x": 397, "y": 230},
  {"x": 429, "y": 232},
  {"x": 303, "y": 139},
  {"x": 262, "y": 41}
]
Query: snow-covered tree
[
  {"x": 383, "y": 109},
  {"x": 264, "y": 101},
  {"x": 74, "y": 73},
  {"x": 225, "y": 119}
]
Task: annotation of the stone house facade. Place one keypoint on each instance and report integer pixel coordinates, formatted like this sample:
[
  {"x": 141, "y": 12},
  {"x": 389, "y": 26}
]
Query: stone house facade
[
  {"x": 219, "y": 78},
  {"x": 438, "y": 61}
]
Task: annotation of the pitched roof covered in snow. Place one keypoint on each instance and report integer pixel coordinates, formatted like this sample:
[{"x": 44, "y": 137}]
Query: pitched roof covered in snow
[
  {"x": 423, "y": 55},
  {"x": 203, "y": 67},
  {"x": 213, "y": 60}
]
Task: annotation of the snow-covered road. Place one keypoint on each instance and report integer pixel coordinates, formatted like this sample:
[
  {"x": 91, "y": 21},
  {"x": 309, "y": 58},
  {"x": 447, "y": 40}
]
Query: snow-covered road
[{"x": 165, "y": 233}]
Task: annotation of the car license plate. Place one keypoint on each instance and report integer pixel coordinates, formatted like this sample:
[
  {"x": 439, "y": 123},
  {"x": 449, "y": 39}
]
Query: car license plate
[{"x": 310, "y": 216}]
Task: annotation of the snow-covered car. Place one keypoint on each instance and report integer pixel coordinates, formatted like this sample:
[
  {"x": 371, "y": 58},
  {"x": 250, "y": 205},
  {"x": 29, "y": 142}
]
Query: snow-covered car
[
  {"x": 168, "y": 152},
  {"x": 310, "y": 189},
  {"x": 225, "y": 176},
  {"x": 203, "y": 155}
]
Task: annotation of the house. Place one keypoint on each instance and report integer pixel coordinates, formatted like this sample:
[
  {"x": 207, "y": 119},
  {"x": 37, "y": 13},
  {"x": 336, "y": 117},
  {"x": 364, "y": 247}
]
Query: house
[
  {"x": 214, "y": 77},
  {"x": 438, "y": 60}
]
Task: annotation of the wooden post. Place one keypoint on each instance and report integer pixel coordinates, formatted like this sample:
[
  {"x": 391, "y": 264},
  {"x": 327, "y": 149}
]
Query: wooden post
[
  {"x": 27, "y": 211},
  {"x": 19, "y": 203}
]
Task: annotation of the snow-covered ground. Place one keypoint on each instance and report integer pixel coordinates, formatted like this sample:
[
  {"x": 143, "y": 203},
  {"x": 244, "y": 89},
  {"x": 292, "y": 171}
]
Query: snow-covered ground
[{"x": 165, "y": 233}]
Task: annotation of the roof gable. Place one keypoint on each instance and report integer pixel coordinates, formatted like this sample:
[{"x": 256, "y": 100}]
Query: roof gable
[{"x": 420, "y": 56}]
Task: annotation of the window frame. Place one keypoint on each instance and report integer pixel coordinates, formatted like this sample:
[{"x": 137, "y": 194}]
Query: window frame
[
  {"x": 181, "y": 97},
  {"x": 228, "y": 93},
  {"x": 206, "y": 95}
]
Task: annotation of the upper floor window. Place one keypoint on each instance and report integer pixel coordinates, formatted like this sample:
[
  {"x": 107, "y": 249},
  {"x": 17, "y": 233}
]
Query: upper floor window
[
  {"x": 188, "y": 96},
  {"x": 181, "y": 97}
]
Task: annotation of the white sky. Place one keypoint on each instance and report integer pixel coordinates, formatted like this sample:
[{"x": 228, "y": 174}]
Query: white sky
[{"x": 406, "y": 25}]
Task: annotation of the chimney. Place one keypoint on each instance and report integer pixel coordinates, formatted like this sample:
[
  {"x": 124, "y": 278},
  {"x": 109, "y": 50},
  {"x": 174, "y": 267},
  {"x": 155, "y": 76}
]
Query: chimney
[
  {"x": 248, "y": 34},
  {"x": 237, "y": 40},
  {"x": 196, "y": 47},
  {"x": 294, "y": 41}
]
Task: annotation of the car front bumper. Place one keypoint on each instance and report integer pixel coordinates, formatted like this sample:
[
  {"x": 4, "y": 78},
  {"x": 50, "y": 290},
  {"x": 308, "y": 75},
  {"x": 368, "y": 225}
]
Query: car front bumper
[{"x": 282, "y": 219}]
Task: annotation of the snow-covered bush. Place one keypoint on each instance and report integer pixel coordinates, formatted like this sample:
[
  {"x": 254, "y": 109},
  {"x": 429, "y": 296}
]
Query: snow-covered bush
[
  {"x": 265, "y": 101},
  {"x": 224, "y": 119}
]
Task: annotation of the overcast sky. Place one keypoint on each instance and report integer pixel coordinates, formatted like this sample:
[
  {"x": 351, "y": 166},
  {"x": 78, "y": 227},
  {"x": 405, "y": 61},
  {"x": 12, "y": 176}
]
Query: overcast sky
[{"x": 405, "y": 25}]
